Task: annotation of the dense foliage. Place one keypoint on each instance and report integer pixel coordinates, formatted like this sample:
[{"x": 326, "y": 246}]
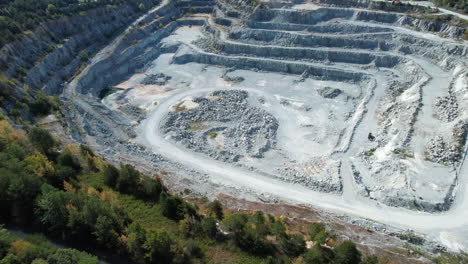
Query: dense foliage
[
  {"x": 17, "y": 17},
  {"x": 37, "y": 250},
  {"x": 71, "y": 194}
]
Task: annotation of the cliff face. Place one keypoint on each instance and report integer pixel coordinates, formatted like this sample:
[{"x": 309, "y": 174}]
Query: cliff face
[{"x": 49, "y": 55}]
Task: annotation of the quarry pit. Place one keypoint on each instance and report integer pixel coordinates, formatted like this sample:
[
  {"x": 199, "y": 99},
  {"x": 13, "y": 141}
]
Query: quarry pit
[{"x": 354, "y": 111}]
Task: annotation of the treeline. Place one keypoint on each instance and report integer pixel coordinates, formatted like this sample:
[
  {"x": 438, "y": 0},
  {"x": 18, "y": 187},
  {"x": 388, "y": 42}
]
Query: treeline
[
  {"x": 72, "y": 194},
  {"x": 17, "y": 17},
  {"x": 36, "y": 249},
  {"x": 458, "y": 5}
]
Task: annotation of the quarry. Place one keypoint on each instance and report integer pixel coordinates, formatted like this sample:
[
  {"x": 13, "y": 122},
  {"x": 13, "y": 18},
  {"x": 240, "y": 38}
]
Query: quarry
[{"x": 352, "y": 107}]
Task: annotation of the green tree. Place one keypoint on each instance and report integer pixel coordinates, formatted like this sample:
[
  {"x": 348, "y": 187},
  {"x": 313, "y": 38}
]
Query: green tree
[
  {"x": 128, "y": 179},
  {"x": 318, "y": 233},
  {"x": 292, "y": 245},
  {"x": 69, "y": 160},
  {"x": 71, "y": 256},
  {"x": 84, "y": 56},
  {"x": 42, "y": 105},
  {"x": 42, "y": 139},
  {"x": 52, "y": 211},
  {"x": 215, "y": 208},
  {"x": 135, "y": 241},
  {"x": 110, "y": 175},
  {"x": 150, "y": 189},
  {"x": 158, "y": 247},
  {"x": 104, "y": 232},
  {"x": 319, "y": 255},
  {"x": 347, "y": 253},
  {"x": 278, "y": 228},
  {"x": 209, "y": 227},
  {"x": 173, "y": 207},
  {"x": 372, "y": 259}
]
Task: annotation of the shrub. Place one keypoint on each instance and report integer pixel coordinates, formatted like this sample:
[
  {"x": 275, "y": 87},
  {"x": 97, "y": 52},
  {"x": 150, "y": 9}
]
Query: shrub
[
  {"x": 173, "y": 207},
  {"x": 150, "y": 189},
  {"x": 71, "y": 256},
  {"x": 128, "y": 179},
  {"x": 209, "y": 227},
  {"x": 192, "y": 249},
  {"x": 110, "y": 175},
  {"x": 135, "y": 241},
  {"x": 84, "y": 56},
  {"x": 158, "y": 247},
  {"x": 42, "y": 104},
  {"x": 347, "y": 253},
  {"x": 292, "y": 245},
  {"x": 318, "y": 233},
  {"x": 372, "y": 259},
  {"x": 42, "y": 139},
  {"x": 215, "y": 208},
  {"x": 319, "y": 255},
  {"x": 67, "y": 159}
]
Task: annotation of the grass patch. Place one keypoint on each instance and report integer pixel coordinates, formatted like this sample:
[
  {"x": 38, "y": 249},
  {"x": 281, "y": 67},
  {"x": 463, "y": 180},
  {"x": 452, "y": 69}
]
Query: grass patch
[{"x": 213, "y": 134}]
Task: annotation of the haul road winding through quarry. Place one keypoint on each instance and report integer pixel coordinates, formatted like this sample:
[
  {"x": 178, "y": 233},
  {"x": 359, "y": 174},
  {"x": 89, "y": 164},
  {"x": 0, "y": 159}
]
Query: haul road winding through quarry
[{"x": 276, "y": 102}]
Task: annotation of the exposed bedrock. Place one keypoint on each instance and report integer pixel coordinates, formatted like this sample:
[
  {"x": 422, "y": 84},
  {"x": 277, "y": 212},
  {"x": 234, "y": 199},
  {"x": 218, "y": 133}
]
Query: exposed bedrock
[
  {"x": 113, "y": 69},
  {"x": 338, "y": 49},
  {"x": 50, "y": 53},
  {"x": 326, "y": 73},
  {"x": 224, "y": 126},
  {"x": 305, "y": 40},
  {"x": 325, "y": 28},
  {"x": 383, "y": 42},
  {"x": 342, "y": 56},
  {"x": 303, "y": 18}
]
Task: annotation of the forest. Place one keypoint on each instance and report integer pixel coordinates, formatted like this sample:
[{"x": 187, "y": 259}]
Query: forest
[
  {"x": 19, "y": 17},
  {"x": 73, "y": 195}
]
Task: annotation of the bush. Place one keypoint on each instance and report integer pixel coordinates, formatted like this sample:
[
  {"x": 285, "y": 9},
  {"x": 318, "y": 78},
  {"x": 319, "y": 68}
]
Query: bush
[
  {"x": 67, "y": 159},
  {"x": 318, "y": 233},
  {"x": 110, "y": 176},
  {"x": 136, "y": 237},
  {"x": 42, "y": 139},
  {"x": 173, "y": 207},
  {"x": 209, "y": 227},
  {"x": 292, "y": 245},
  {"x": 150, "y": 189},
  {"x": 6, "y": 86},
  {"x": 370, "y": 260},
  {"x": 347, "y": 253},
  {"x": 42, "y": 104},
  {"x": 215, "y": 208},
  {"x": 158, "y": 247},
  {"x": 128, "y": 179},
  {"x": 84, "y": 56},
  {"x": 71, "y": 256},
  {"x": 319, "y": 255},
  {"x": 192, "y": 249}
]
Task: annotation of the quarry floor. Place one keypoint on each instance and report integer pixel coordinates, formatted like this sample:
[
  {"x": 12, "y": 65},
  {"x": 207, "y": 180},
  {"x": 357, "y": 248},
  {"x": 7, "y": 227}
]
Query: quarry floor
[{"x": 312, "y": 137}]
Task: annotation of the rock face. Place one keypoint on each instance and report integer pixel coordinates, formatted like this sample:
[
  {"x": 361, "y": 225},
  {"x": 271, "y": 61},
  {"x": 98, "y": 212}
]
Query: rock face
[
  {"x": 223, "y": 126},
  {"x": 293, "y": 93},
  {"x": 51, "y": 53},
  {"x": 328, "y": 92}
]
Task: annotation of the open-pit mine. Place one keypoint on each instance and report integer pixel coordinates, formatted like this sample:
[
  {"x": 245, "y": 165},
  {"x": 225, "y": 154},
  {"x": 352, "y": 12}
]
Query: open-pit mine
[{"x": 350, "y": 107}]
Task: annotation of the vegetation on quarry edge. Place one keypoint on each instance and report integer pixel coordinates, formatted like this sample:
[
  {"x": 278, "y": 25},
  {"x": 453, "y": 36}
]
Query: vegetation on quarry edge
[{"x": 71, "y": 194}]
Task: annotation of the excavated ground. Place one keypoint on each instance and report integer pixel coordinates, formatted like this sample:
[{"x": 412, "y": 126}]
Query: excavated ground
[{"x": 278, "y": 104}]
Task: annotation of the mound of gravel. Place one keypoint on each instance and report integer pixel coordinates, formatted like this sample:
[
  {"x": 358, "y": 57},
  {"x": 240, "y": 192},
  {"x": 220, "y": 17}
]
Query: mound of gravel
[
  {"x": 156, "y": 79},
  {"x": 224, "y": 126}
]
